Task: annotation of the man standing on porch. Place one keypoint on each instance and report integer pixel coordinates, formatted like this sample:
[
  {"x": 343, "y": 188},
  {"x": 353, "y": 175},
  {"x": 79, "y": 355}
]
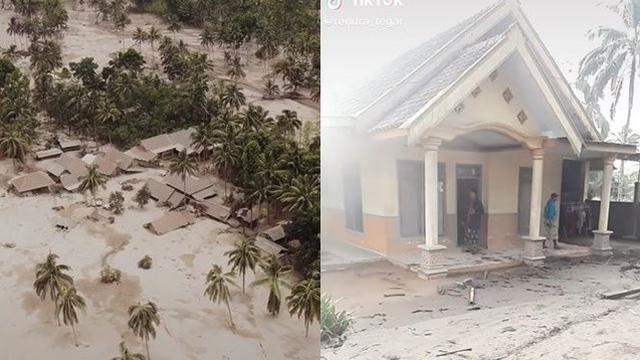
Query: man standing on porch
[
  {"x": 473, "y": 222},
  {"x": 550, "y": 221}
]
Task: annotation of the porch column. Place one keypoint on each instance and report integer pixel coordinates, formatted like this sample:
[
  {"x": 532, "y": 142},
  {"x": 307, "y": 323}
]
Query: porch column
[
  {"x": 533, "y": 253},
  {"x": 601, "y": 244},
  {"x": 431, "y": 265},
  {"x": 585, "y": 184}
]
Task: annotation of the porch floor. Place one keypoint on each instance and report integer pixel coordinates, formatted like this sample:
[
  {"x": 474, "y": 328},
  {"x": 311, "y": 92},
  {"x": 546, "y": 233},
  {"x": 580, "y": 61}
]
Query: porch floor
[{"x": 458, "y": 261}]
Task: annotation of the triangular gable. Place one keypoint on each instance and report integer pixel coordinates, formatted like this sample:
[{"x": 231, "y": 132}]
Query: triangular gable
[
  {"x": 437, "y": 108},
  {"x": 500, "y": 31},
  {"x": 397, "y": 108}
]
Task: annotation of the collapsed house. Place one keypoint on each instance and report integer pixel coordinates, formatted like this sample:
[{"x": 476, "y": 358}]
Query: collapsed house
[
  {"x": 170, "y": 221},
  {"x": 30, "y": 182},
  {"x": 164, "y": 145}
]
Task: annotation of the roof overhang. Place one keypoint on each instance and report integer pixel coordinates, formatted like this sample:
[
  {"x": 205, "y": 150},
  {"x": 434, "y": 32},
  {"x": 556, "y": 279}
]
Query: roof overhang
[{"x": 600, "y": 149}]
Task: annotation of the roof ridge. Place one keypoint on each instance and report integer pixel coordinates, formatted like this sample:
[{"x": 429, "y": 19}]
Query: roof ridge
[{"x": 474, "y": 19}]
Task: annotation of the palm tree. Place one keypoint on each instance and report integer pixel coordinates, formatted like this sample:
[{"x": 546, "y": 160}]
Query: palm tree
[
  {"x": 614, "y": 62},
  {"x": 202, "y": 138},
  {"x": 152, "y": 37},
  {"x": 14, "y": 29},
  {"x": 126, "y": 355},
  {"x": 236, "y": 72},
  {"x": 226, "y": 155},
  {"x": 288, "y": 122},
  {"x": 67, "y": 301},
  {"x": 14, "y": 144},
  {"x": 273, "y": 272},
  {"x": 183, "y": 165},
  {"x": 232, "y": 96},
  {"x": 304, "y": 300},
  {"x": 271, "y": 89},
  {"x": 255, "y": 117},
  {"x": 143, "y": 318},
  {"x": 92, "y": 181},
  {"x": 139, "y": 37},
  {"x": 107, "y": 114},
  {"x": 218, "y": 287},
  {"x": 301, "y": 195},
  {"x": 244, "y": 256},
  {"x": 51, "y": 278},
  {"x": 208, "y": 38}
]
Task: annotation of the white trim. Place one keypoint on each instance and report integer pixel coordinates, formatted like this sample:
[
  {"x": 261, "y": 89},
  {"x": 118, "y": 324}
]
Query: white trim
[
  {"x": 417, "y": 125},
  {"x": 540, "y": 49},
  {"x": 437, "y": 109},
  {"x": 574, "y": 139}
]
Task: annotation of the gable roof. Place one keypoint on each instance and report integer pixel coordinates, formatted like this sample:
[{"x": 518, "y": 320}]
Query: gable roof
[
  {"x": 73, "y": 164},
  {"x": 414, "y": 91},
  {"x": 404, "y": 66},
  {"x": 31, "y": 181},
  {"x": 172, "y": 220},
  {"x": 193, "y": 184}
]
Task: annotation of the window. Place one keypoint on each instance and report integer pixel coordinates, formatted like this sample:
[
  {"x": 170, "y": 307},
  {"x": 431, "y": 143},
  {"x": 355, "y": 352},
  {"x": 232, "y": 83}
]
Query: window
[{"x": 353, "y": 197}]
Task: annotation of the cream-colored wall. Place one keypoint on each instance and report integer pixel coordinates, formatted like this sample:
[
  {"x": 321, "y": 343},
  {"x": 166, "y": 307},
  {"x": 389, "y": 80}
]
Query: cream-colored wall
[{"x": 489, "y": 107}]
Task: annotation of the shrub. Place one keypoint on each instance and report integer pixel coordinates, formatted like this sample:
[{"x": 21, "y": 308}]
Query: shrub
[
  {"x": 145, "y": 262},
  {"x": 116, "y": 202},
  {"x": 109, "y": 275},
  {"x": 334, "y": 324}
]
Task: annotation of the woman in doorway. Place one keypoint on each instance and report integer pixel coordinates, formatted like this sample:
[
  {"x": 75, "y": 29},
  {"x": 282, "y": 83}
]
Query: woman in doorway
[{"x": 473, "y": 220}]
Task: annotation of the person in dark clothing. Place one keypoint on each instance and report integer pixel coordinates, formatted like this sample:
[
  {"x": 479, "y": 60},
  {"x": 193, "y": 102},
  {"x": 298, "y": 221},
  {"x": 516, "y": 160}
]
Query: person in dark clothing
[{"x": 473, "y": 219}]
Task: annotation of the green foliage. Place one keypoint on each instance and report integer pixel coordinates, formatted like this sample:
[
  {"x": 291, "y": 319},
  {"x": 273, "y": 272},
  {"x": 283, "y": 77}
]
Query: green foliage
[
  {"x": 273, "y": 271},
  {"x": 334, "y": 324},
  {"x": 304, "y": 301}
]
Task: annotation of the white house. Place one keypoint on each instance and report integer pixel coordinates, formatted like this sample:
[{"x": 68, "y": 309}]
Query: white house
[{"x": 483, "y": 106}]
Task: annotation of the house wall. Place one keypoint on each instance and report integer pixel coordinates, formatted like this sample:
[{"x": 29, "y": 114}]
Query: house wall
[{"x": 380, "y": 203}]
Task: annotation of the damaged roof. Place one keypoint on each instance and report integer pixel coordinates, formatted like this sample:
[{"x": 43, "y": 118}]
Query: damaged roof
[
  {"x": 171, "y": 221},
  {"x": 31, "y": 181}
]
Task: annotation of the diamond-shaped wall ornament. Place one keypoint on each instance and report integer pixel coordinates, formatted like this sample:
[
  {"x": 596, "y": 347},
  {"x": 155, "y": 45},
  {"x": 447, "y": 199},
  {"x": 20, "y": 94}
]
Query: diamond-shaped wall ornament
[
  {"x": 476, "y": 92},
  {"x": 507, "y": 95},
  {"x": 493, "y": 75},
  {"x": 522, "y": 117},
  {"x": 458, "y": 109}
]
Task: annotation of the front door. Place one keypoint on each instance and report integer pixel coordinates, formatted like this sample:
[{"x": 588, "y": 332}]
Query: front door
[{"x": 468, "y": 177}]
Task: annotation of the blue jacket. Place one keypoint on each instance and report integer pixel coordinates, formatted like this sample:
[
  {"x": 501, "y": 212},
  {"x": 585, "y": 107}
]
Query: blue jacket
[{"x": 550, "y": 210}]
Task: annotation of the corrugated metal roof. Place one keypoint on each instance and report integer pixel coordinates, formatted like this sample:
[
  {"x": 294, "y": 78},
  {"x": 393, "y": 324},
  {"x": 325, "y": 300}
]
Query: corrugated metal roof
[{"x": 171, "y": 221}]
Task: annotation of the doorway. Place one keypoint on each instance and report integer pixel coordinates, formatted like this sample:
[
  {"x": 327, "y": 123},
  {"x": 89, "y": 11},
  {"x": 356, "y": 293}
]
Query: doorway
[{"x": 468, "y": 177}]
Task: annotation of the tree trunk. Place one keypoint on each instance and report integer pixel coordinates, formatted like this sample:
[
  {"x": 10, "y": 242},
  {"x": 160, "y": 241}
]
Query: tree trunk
[
  {"x": 75, "y": 337},
  {"x": 625, "y": 135},
  {"x": 230, "y": 317},
  {"x": 244, "y": 273},
  {"x": 146, "y": 345}
]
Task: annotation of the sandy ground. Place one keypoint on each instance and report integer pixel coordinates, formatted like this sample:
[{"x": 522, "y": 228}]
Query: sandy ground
[
  {"x": 85, "y": 38},
  {"x": 553, "y": 312},
  {"x": 191, "y": 328}
]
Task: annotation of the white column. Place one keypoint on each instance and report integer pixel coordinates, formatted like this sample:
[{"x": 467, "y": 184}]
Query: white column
[
  {"x": 601, "y": 243},
  {"x": 431, "y": 263},
  {"x": 536, "y": 193},
  {"x": 605, "y": 196},
  {"x": 431, "y": 193},
  {"x": 533, "y": 253},
  {"x": 585, "y": 185}
]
